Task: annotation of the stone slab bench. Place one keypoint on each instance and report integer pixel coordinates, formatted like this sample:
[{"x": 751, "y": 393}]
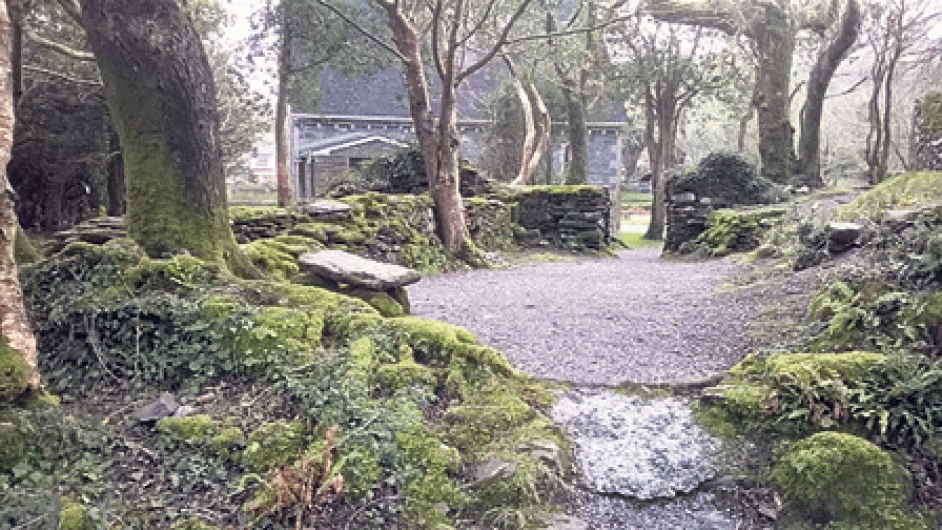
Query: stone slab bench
[{"x": 339, "y": 268}]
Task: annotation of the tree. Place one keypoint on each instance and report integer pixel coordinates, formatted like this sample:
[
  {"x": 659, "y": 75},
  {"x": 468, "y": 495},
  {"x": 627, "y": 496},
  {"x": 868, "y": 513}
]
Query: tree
[
  {"x": 772, "y": 25},
  {"x": 17, "y": 338},
  {"x": 897, "y": 30},
  {"x": 161, "y": 96},
  {"x": 665, "y": 66},
  {"x": 831, "y": 55},
  {"x": 308, "y": 37},
  {"x": 445, "y": 29}
]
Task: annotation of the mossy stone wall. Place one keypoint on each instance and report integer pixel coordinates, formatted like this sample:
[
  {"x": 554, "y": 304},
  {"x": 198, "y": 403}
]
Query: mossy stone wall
[{"x": 571, "y": 217}]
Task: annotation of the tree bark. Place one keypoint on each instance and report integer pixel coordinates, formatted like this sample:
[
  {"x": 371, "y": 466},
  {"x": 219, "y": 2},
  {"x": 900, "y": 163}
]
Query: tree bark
[
  {"x": 809, "y": 141},
  {"x": 661, "y": 111},
  {"x": 578, "y": 132},
  {"x": 775, "y": 43},
  {"x": 285, "y": 188},
  {"x": 14, "y": 325},
  {"x": 161, "y": 96}
]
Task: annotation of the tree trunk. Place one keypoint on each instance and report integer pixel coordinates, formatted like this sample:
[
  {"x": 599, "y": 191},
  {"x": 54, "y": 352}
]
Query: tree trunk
[
  {"x": 437, "y": 142},
  {"x": 115, "y": 168},
  {"x": 578, "y": 133},
  {"x": 285, "y": 188},
  {"x": 162, "y": 99},
  {"x": 810, "y": 139},
  {"x": 775, "y": 43},
  {"x": 14, "y": 325},
  {"x": 542, "y": 126}
]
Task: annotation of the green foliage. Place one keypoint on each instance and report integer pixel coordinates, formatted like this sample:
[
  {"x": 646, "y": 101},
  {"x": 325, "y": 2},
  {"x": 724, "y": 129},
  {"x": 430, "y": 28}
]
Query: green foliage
[
  {"x": 930, "y": 107},
  {"x": 275, "y": 444},
  {"x": 404, "y": 171},
  {"x": 873, "y": 314},
  {"x": 906, "y": 190},
  {"x": 274, "y": 258},
  {"x": 733, "y": 231},
  {"x": 728, "y": 179},
  {"x": 14, "y": 373},
  {"x": 842, "y": 481}
]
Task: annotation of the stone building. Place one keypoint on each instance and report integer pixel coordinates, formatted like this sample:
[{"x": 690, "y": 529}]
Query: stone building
[{"x": 366, "y": 118}]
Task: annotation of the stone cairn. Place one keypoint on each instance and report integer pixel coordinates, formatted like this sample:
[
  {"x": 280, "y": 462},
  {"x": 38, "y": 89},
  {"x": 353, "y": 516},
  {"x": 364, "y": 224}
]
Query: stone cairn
[{"x": 927, "y": 133}]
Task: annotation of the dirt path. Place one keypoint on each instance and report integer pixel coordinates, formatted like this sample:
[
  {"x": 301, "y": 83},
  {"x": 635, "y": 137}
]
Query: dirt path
[{"x": 635, "y": 318}]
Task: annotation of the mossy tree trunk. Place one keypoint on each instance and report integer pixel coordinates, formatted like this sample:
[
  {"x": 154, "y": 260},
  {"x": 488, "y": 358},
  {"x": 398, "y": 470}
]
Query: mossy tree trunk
[
  {"x": 14, "y": 325},
  {"x": 162, "y": 99},
  {"x": 285, "y": 187}
]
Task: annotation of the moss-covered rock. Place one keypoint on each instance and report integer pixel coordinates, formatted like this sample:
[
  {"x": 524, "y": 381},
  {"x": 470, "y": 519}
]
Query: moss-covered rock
[
  {"x": 227, "y": 441},
  {"x": 902, "y": 191},
  {"x": 189, "y": 428},
  {"x": 274, "y": 445},
  {"x": 75, "y": 517},
  {"x": 844, "y": 481},
  {"x": 14, "y": 373},
  {"x": 733, "y": 231}
]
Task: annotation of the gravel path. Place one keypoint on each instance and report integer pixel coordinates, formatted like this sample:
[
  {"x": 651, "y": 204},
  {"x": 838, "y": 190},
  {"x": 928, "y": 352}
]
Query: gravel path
[{"x": 636, "y": 318}]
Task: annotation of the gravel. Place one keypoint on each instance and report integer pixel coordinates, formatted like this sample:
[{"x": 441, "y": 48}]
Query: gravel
[
  {"x": 670, "y": 454},
  {"x": 632, "y": 319}
]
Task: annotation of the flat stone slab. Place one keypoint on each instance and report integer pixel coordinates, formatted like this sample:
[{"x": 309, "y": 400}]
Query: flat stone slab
[
  {"x": 645, "y": 449},
  {"x": 325, "y": 208},
  {"x": 343, "y": 267}
]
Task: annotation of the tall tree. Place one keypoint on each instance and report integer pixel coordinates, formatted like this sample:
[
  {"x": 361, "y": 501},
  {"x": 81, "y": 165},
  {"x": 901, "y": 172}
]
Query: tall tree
[
  {"x": 772, "y": 25},
  {"x": 665, "y": 66},
  {"x": 896, "y": 30},
  {"x": 162, "y": 98},
  {"x": 17, "y": 337},
  {"x": 309, "y": 37},
  {"x": 831, "y": 55},
  {"x": 446, "y": 29}
]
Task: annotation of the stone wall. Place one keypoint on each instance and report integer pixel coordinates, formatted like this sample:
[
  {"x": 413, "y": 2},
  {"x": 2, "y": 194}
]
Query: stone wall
[
  {"x": 687, "y": 217},
  {"x": 570, "y": 217},
  {"x": 927, "y": 133}
]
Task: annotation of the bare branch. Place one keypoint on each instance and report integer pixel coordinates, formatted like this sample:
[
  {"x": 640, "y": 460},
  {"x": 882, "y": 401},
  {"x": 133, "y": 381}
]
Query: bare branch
[
  {"x": 378, "y": 41},
  {"x": 568, "y": 32},
  {"x": 58, "y": 47},
  {"x": 498, "y": 44}
]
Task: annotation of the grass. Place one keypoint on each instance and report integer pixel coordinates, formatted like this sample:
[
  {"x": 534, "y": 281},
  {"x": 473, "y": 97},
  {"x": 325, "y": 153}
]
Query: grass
[
  {"x": 634, "y": 240},
  {"x": 903, "y": 191},
  {"x": 635, "y": 199}
]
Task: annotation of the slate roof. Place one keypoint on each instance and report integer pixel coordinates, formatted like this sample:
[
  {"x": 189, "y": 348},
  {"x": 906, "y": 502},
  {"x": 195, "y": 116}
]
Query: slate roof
[{"x": 329, "y": 146}]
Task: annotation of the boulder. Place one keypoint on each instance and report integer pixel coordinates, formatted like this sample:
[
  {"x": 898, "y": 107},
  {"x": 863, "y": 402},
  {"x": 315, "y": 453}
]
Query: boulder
[
  {"x": 345, "y": 268},
  {"x": 843, "y": 236},
  {"x": 159, "y": 409}
]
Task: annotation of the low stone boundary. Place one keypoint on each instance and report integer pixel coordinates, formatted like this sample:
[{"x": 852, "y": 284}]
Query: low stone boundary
[{"x": 571, "y": 217}]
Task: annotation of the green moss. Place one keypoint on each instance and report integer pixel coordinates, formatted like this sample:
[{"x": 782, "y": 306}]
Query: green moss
[
  {"x": 192, "y": 524},
  {"x": 362, "y": 359},
  {"x": 736, "y": 230},
  {"x": 226, "y": 441},
  {"x": 275, "y": 259},
  {"x": 274, "y": 445},
  {"x": 178, "y": 272},
  {"x": 903, "y": 191},
  {"x": 425, "y": 450},
  {"x": 485, "y": 418},
  {"x": 24, "y": 251},
  {"x": 255, "y": 214},
  {"x": 282, "y": 337},
  {"x": 14, "y": 373},
  {"x": 403, "y": 374},
  {"x": 75, "y": 517},
  {"x": 188, "y": 428},
  {"x": 844, "y": 481}
]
